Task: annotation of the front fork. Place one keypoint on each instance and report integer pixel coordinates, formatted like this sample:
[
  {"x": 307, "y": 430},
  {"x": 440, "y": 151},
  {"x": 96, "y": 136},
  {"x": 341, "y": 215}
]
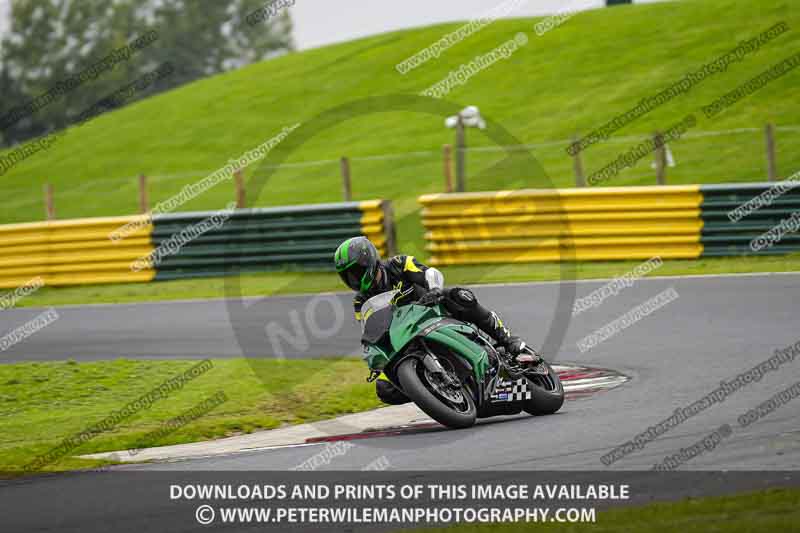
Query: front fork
[{"x": 434, "y": 366}]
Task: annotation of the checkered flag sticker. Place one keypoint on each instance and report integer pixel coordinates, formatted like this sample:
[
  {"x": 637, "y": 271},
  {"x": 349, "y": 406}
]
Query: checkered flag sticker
[{"x": 512, "y": 391}]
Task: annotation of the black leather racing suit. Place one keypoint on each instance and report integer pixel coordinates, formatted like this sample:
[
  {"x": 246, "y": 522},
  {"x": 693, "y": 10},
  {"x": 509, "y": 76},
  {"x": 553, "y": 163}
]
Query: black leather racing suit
[{"x": 405, "y": 273}]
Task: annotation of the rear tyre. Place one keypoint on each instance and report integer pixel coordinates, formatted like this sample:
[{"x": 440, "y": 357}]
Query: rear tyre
[
  {"x": 547, "y": 394},
  {"x": 413, "y": 379}
]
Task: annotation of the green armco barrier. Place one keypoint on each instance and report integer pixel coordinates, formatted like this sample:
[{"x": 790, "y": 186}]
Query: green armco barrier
[
  {"x": 726, "y": 231},
  {"x": 300, "y": 237}
]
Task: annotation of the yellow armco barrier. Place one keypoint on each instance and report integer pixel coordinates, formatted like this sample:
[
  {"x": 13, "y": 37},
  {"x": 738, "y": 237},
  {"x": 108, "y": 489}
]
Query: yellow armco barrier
[
  {"x": 598, "y": 223},
  {"x": 73, "y": 252}
]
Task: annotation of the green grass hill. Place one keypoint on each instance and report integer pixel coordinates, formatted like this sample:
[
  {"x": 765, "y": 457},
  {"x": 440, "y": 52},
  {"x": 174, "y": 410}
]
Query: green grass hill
[{"x": 574, "y": 78}]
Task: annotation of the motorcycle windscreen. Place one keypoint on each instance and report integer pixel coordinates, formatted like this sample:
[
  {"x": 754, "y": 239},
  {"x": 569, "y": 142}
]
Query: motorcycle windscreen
[{"x": 377, "y": 325}]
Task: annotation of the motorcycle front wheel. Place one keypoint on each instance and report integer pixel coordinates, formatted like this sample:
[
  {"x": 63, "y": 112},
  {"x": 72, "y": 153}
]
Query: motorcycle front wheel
[{"x": 454, "y": 409}]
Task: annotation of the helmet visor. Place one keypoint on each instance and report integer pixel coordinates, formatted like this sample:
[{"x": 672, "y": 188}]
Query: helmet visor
[{"x": 353, "y": 275}]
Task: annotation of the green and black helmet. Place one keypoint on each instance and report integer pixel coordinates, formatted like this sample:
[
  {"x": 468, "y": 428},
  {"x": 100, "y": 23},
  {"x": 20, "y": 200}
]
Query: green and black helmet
[{"x": 357, "y": 263}]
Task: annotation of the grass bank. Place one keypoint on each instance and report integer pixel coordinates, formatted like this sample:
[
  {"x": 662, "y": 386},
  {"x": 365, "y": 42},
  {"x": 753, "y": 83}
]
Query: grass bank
[{"x": 43, "y": 403}]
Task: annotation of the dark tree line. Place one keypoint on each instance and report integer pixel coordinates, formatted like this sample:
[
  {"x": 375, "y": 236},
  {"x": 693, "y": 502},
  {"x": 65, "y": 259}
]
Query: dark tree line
[{"x": 50, "y": 41}]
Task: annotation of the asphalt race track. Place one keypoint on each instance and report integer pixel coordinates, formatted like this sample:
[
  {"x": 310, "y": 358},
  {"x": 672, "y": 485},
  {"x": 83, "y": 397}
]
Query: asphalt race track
[
  {"x": 747, "y": 315},
  {"x": 717, "y": 328}
]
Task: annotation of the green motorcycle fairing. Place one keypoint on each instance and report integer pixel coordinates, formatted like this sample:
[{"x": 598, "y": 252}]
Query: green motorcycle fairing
[{"x": 411, "y": 321}]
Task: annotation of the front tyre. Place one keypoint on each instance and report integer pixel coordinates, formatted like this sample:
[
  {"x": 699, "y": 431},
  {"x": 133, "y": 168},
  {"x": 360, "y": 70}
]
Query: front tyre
[{"x": 456, "y": 413}]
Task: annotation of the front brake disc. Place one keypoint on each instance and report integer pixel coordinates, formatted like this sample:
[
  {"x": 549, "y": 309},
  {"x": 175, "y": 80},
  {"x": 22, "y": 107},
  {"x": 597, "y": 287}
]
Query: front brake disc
[{"x": 452, "y": 394}]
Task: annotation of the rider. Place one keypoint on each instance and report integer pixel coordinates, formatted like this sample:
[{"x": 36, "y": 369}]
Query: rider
[{"x": 360, "y": 267}]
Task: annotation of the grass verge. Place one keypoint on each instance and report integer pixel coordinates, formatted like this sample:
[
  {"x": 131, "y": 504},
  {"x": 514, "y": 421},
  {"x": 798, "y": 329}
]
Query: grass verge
[
  {"x": 282, "y": 283},
  {"x": 769, "y": 510},
  {"x": 43, "y": 403}
]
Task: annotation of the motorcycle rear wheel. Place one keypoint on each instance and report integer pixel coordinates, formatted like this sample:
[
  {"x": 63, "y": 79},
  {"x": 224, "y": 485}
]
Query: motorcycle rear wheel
[
  {"x": 411, "y": 376},
  {"x": 543, "y": 401}
]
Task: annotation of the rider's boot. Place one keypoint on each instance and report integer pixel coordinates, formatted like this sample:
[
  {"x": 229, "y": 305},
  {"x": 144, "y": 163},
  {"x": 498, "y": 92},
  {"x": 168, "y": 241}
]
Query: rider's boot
[
  {"x": 495, "y": 328},
  {"x": 388, "y": 393}
]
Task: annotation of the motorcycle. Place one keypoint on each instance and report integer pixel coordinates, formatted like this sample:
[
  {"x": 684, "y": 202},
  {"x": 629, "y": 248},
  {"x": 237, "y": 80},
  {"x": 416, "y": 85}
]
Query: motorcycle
[{"x": 450, "y": 369}]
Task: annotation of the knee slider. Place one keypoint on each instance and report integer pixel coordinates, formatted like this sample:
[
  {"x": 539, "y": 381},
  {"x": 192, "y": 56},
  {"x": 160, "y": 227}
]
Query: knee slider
[{"x": 463, "y": 297}]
